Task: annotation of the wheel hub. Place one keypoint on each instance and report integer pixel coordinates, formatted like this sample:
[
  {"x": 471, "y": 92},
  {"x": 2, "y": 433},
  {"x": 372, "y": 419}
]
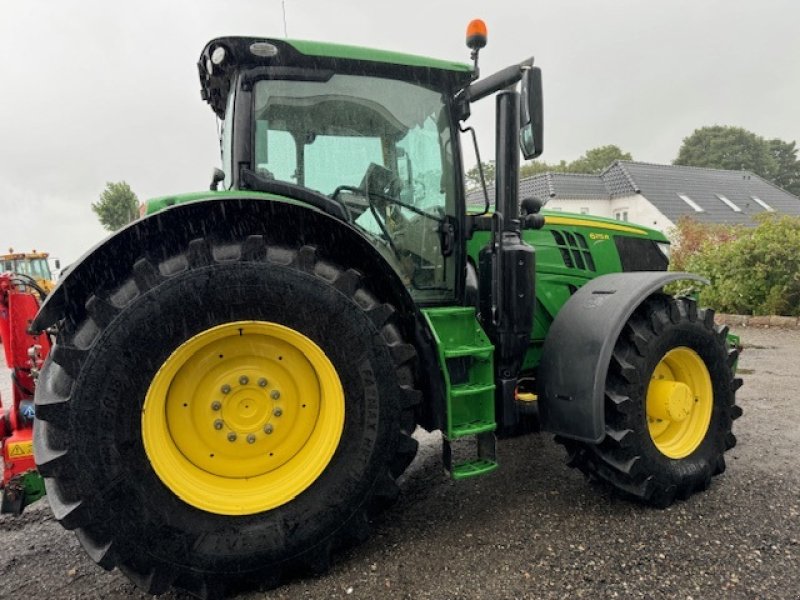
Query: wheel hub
[
  {"x": 680, "y": 400},
  {"x": 672, "y": 400},
  {"x": 247, "y": 409}
]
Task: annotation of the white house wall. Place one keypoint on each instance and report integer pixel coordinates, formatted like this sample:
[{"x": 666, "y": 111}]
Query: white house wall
[
  {"x": 640, "y": 210},
  {"x": 598, "y": 208}
]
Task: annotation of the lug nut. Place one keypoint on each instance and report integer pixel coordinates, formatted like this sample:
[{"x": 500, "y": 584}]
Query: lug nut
[
  {"x": 226, "y": 389},
  {"x": 216, "y": 405},
  {"x": 251, "y": 439},
  {"x": 232, "y": 436},
  {"x": 262, "y": 382},
  {"x": 268, "y": 428},
  {"x": 277, "y": 412},
  {"x": 218, "y": 424},
  {"x": 275, "y": 394},
  {"x": 243, "y": 379}
]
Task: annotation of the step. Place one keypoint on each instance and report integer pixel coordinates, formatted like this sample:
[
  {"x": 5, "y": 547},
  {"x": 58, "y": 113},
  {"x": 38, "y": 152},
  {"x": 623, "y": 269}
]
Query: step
[
  {"x": 482, "y": 461},
  {"x": 473, "y": 468},
  {"x": 470, "y": 389},
  {"x": 470, "y": 398},
  {"x": 479, "y": 352},
  {"x": 472, "y": 428}
]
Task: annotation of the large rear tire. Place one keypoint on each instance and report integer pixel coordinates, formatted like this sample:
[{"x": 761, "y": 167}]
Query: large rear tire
[
  {"x": 231, "y": 413},
  {"x": 669, "y": 405}
]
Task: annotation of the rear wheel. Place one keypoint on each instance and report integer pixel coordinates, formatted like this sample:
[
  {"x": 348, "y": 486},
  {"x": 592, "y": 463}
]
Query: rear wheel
[
  {"x": 216, "y": 420},
  {"x": 669, "y": 405}
]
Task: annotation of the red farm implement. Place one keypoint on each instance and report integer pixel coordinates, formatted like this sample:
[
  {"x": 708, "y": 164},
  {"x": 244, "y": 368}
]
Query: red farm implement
[{"x": 24, "y": 353}]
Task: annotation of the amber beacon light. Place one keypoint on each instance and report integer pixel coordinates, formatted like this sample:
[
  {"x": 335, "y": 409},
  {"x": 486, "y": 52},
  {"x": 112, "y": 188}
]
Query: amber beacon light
[{"x": 476, "y": 34}]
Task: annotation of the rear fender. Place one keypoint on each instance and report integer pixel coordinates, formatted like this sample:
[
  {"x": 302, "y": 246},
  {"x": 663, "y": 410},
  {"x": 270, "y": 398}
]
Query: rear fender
[
  {"x": 578, "y": 349},
  {"x": 166, "y": 233}
]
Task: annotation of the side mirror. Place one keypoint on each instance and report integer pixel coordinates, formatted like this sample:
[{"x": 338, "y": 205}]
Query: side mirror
[
  {"x": 58, "y": 264},
  {"x": 531, "y": 117}
]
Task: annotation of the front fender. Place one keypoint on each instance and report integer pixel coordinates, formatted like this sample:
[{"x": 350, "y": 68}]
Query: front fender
[
  {"x": 166, "y": 233},
  {"x": 578, "y": 349}
]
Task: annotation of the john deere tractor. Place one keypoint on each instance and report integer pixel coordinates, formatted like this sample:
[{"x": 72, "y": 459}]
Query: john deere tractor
[{"x": 237, "y": 375}]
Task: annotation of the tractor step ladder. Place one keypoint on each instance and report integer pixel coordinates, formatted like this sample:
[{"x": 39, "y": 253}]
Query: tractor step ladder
[{"x": 466, "y": 361}]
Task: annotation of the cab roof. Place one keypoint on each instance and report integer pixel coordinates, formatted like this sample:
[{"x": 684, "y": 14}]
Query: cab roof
[{"x": 238, "y": 53}]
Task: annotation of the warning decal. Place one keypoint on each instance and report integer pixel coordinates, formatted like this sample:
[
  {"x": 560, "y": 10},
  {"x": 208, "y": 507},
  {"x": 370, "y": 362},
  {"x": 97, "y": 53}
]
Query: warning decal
[{"x": 19, "y": 449}]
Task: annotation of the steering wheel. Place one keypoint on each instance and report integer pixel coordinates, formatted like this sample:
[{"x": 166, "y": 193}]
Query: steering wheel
[
  {"x": 378, "y": 183},
  {"x": 346, "y": 188}
]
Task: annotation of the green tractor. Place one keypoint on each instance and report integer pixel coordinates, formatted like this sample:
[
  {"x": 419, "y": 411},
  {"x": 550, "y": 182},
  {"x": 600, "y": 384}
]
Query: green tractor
[{"x": 237, "y": 375}]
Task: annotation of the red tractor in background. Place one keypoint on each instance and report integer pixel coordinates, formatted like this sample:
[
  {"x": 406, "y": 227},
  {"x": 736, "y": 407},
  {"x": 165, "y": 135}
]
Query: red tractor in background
[{"x": 24, "y": 353}]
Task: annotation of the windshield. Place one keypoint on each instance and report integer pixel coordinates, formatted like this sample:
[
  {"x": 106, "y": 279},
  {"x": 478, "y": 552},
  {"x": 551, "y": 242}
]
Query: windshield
[
  {"x": 382, "y": 147},
  {"x": 33, "y": 267}
]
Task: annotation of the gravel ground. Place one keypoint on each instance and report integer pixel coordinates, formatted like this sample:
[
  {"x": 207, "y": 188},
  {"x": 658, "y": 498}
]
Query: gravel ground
[{"x": 533, "y": 529}]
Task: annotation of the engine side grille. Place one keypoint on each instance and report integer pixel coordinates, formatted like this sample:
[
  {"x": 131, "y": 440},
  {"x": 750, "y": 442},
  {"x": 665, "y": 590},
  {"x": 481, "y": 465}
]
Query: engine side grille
[{"x": 574, "y": 250}]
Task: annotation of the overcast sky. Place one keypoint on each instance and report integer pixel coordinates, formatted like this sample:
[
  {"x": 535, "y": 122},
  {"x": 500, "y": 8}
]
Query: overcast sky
[{"x": 96, "y": 91}]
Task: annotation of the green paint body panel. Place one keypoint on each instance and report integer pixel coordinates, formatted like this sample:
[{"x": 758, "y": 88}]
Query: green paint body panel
[
  {"x": 465, "y": 357},
  {"x": 34, "y": 487},
  {"x": 555, "y": 281},
  {"x": 734, "y": 341},
  {"x": 370, "y": 54},
  {"x": 155, "y": 205}
]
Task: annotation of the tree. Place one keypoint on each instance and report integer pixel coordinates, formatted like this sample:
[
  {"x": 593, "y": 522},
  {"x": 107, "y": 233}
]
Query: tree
[
  {"x": 595, "y": 160},
  {"x": 787, "y": 172},
  {"x": 732, "y": 148},
  {"x": 592, "y": 161},
  {"x": 538, "y": 167},
  {"x": 118, "y": 206},
  {"x": 473, "y": 176},
  {"x": 598, "y": 159}
]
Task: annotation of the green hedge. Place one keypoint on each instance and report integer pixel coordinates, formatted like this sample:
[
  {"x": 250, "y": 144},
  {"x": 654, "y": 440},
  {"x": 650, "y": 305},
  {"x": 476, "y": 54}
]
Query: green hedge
[{"x": 753, "y": 270}]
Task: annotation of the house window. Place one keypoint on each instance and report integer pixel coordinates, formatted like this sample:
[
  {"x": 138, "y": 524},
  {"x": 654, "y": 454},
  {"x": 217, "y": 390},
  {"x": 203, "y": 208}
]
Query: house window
[
  {"x": 763, "y": 204},
  {"x": 584, "y": 210},
  {"x": 690, "y": 202},
  {"x": 621, "y": 215},
  {"x": 730, "y": 204}
]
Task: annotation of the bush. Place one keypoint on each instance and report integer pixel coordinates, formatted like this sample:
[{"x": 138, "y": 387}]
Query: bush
[
  {"x": 689, "y": 236},
  {"x": 753, "y": 270}
]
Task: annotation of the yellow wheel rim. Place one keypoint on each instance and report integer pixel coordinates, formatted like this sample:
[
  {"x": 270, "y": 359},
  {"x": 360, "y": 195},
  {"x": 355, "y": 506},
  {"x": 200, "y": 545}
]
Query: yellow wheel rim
[
  {"x": 243, "y": 417},
  {"x": 680, "y": 399}
]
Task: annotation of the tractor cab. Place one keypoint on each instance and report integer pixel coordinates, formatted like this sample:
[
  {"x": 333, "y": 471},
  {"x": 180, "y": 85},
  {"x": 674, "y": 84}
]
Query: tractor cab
[
  {"x": 370, "y": 140},
  {"x": 33, "y": 265}
]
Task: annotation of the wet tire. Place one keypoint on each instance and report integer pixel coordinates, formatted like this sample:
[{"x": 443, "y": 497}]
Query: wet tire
[
  {"x": 630, "y": 457},
  {"x": 89, "y": 444}
]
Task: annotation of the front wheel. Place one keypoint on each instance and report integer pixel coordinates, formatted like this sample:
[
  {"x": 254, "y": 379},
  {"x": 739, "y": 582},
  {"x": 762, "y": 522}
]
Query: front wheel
[
  {"x": 669, "y": 405},
  {"x": 213, "y": 420}
]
